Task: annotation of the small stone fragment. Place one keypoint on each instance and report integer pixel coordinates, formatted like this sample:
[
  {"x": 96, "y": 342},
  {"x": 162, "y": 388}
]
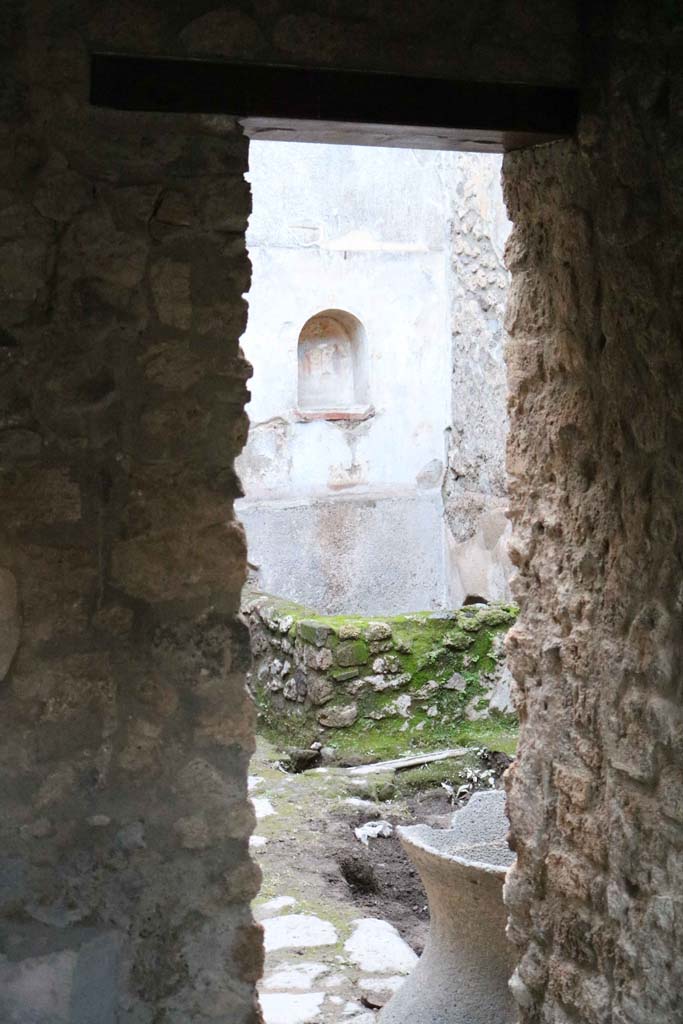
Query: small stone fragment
[
  {"x": 300, "y": 759},
  {"x": 262, "y": 807},
  {"x": 456, "y": 682},
  {"x": 273, "y": 906},
  {"x": 291, "y": 1008},
  {"x": 320, "y": 689},
  {"x": 341, "y": 675},
  {"x": 349, "y": 631},
  {"x": 373, "y": 830},
  {"x": 387, "y": 664},
  {"x": 291, "y": 977},
  {"x": 400, "y": 706},
  {"x": 426, "y": 691},
  {"x": 377, "y": 631},
  {"x": 376, "y": 946},
  {"x": 457, "y": 640},
  {"x": 338, "y": 717},
  {"x": 380, "y": 683}
]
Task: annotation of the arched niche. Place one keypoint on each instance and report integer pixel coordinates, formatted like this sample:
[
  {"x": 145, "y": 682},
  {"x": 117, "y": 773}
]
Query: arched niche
[{"x": 332, "y": 367}]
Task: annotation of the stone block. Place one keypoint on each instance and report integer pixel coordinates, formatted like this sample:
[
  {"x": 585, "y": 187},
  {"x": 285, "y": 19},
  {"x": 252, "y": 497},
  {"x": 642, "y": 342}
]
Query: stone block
[
  {"x": 313, "y": 632},
  {"x": 338, "y": 717},
  {"x": 320, "y": 690},
  {"x": 376, "y": 631},
  {"x": 171, "y": 290},
  {"x": 341, "y": 675},
  {"x": 351, "y": 652},
  {"x": 457, "y": 640},
  {"x": 349, "y": 631}
]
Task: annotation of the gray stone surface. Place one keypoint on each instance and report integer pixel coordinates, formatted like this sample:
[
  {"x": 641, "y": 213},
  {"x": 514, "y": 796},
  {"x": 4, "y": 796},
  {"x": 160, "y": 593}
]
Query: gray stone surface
[
  {"x": 347, "y": 557},
  {"x": 125, "y": 729},
  {"x": 10, "y": 620},
  {"x": 462, "y": 976}
]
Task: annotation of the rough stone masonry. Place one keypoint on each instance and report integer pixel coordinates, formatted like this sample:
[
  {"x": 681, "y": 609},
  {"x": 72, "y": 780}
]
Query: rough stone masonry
[
  {"x": 125, "y": 877},
  {"x": 595, "y": 474},
  {"x": 380, "y": 687}
]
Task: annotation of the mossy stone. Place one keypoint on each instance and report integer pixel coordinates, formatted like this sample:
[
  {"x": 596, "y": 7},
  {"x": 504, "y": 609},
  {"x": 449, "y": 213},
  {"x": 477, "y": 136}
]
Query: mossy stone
[
  {"x": 457, "y": 640},
  {"x": 376, "y": 631},
  {"x": 352, "y": 652},
  {"x": 349, "y": 631},
  {"x": 341, "y": 675},
  {"x": 483, "y": 618},
  {"x": 313, "y": 632}
]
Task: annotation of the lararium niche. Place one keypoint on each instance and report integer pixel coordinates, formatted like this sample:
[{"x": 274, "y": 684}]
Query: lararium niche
[
  {"x": 332, "y": 367},
  {"x": 374, "y": 472}
]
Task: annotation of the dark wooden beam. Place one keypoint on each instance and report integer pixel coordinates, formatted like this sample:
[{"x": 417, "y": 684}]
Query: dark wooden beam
[{"x": 317, "y": 105}]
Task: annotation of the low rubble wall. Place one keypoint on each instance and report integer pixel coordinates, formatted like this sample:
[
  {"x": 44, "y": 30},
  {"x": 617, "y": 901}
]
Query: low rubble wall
[{"x": 380, "y": 686}]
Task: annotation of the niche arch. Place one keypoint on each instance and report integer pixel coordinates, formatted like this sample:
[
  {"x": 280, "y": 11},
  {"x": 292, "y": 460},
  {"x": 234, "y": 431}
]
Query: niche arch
[{"x": 332, "y": 367}]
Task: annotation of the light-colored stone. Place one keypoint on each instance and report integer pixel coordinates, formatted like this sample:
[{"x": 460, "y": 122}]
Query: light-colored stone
[
  {"x": 333, "y": 225},
  {"x": 263, "y": 808},
  {"x": 338, "y": 717},
  {"x": 400, "y": 706},
  {"x": 274, "y": 906},
  {"x": 462, "y": 976},
  {"x": 394, "y": 682},
  {"x": 297, "y": 931},
  {"x": 288, "y": 1008},
  {"x": 291, "y": 977},
  {"x": 380, "y": 985},
  {"x": 376, "y": 947}
]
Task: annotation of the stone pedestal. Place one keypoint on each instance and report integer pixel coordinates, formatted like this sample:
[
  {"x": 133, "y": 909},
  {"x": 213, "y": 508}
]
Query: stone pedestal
[{"x": 463, "y": 973}]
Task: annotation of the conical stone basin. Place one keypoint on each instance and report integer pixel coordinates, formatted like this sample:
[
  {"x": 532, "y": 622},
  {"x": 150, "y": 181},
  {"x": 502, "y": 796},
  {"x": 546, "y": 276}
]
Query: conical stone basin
[{"x": 462, "y": 976}]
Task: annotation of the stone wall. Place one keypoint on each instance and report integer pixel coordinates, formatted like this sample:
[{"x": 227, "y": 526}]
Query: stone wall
[
  {"x": 125, "y": 728},
  {"x": 125, "y": 874},
  {"x": 411, "y": 244},
  {"x": 342, "y": 507},
  {"x": 474, "y": 489},
  {"x": 375, "y": 688},
  {"x": 594, "y": 458}
]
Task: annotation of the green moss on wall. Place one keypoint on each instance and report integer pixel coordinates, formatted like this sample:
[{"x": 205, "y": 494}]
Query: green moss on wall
[{"x": 419, "y": 681}]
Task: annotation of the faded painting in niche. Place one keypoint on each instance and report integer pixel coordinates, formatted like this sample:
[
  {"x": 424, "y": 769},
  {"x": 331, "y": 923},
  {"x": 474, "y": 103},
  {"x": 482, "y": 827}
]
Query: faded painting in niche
[{"x": 328, "y": 354}]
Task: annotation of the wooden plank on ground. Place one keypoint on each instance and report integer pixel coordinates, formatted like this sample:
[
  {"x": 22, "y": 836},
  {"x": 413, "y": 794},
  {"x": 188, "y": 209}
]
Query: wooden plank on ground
[{"x": 414, "y": 761}]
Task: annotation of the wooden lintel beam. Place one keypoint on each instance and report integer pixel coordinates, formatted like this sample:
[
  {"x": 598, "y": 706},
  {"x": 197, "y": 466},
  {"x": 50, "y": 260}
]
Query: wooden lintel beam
[{"x": 322, "y": 105}]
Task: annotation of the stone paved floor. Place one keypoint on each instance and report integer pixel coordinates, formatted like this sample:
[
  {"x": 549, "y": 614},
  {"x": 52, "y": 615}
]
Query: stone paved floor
[{"x": 325, "y": 959}]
